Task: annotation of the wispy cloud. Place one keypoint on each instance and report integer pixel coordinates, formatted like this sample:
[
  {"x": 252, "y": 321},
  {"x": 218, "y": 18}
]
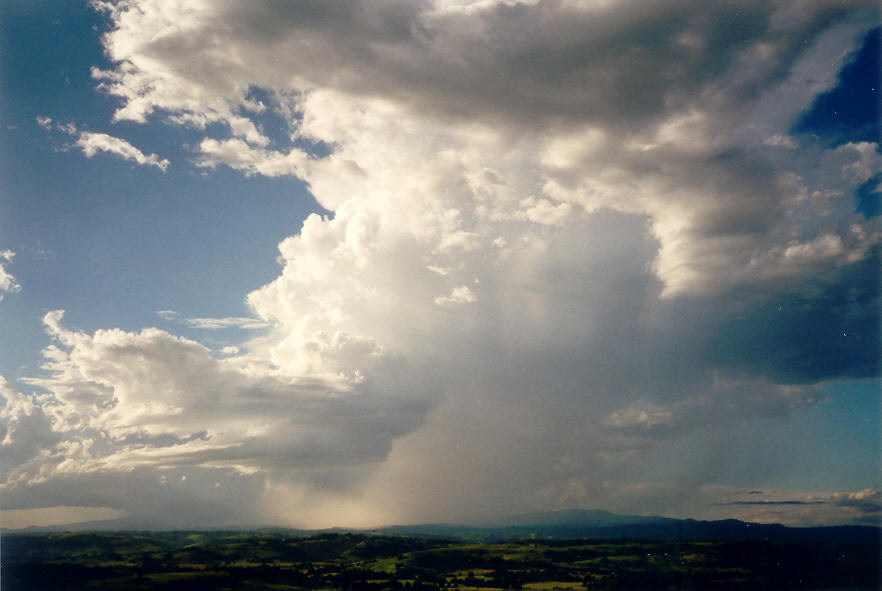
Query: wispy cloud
[
  {"x": 230, "y": 322},
  {"x": 92, "y": 143},
  {"x": 213, "y": 323},
  {"x": 775, "y": 503},
  {"x": 800, "y": 508}
]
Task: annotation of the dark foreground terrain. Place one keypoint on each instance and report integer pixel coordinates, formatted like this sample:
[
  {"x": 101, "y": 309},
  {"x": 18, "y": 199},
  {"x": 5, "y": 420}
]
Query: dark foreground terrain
[{"x": 284, "y": 560}]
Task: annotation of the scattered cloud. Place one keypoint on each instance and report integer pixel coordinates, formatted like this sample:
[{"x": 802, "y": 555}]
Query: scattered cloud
[
  {"x": 44, "y": 122},
  {"x": 8, "y": 284},
  {"x": 92, "y": 143}
]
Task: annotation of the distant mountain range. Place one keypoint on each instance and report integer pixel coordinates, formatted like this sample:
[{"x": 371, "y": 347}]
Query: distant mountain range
[
  {"x": 571, "y": 524},
  {"x": 597, "y": 524}
]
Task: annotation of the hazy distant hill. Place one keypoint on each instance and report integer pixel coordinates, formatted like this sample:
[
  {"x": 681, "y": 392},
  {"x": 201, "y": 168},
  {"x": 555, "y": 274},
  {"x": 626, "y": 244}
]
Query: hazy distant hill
[
  {"x": 596, "y": 524},
  {"x": 572, "y": 524},
  {"x": 573, "y": 517}
]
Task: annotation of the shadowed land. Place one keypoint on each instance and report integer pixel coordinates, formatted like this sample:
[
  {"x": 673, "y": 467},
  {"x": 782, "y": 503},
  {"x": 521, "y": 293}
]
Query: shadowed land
[{"x": 279, "y": 560}]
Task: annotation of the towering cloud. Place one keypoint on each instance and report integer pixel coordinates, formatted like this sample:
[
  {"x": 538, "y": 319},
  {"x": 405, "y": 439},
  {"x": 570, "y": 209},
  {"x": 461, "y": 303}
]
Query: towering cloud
[{"x": 564, "y": 236}]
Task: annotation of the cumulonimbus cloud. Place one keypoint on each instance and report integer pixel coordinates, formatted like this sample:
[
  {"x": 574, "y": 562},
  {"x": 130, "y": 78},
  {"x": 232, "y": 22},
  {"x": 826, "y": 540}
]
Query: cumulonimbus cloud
[{"x": 561, "y": 238}]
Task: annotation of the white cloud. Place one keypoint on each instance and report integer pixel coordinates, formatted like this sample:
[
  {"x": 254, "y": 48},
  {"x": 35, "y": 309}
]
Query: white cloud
[
  {"x": 641, "y": 416},
  {"x": 869, "y": 161},
  {"x": 239, "y": 155},
  {"x": 544, "y": 211},
  {"x": 825, "y": 247},
  {"x": 161, "y": 400},
  {"x": 781, "y": 140},
  {"x": 115, "y": 401},
  {"x": 458, "y": 295},
  {"x": 8, "y": 284},
  {"x": 220, "y": 323},
  {"x": 92, "y": 143}
]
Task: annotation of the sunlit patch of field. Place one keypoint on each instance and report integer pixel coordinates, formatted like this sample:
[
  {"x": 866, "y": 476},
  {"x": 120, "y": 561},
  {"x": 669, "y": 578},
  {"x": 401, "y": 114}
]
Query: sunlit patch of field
[{"x": 552, "y": 585}]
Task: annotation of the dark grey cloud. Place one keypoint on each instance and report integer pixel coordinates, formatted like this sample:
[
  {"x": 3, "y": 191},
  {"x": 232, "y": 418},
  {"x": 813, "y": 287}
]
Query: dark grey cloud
[
  {"x": 868, "y": 505},
  {"x": 826, "y": 327},
  {"x": 25, "y": 435},
  {"x": 528, "y": 63},
  {"x": 774, "y": 503},
  {"x": 166, "y": 499}
]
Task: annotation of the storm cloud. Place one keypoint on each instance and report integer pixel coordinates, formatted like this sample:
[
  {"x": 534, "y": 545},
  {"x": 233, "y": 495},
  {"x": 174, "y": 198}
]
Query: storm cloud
[{"x": 563, "y": 237}]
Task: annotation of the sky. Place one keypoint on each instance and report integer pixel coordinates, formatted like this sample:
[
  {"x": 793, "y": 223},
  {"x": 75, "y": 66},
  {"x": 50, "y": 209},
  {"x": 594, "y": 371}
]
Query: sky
[{"x": 320, "y": 264}]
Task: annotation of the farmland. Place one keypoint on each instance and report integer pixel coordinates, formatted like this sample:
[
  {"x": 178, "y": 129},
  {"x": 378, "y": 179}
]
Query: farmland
[{"x": 281, "y": 560}]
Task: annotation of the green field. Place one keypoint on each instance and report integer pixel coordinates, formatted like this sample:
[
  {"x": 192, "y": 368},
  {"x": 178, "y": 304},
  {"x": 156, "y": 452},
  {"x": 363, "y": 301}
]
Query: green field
[{"x": 355, "y": 562}]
